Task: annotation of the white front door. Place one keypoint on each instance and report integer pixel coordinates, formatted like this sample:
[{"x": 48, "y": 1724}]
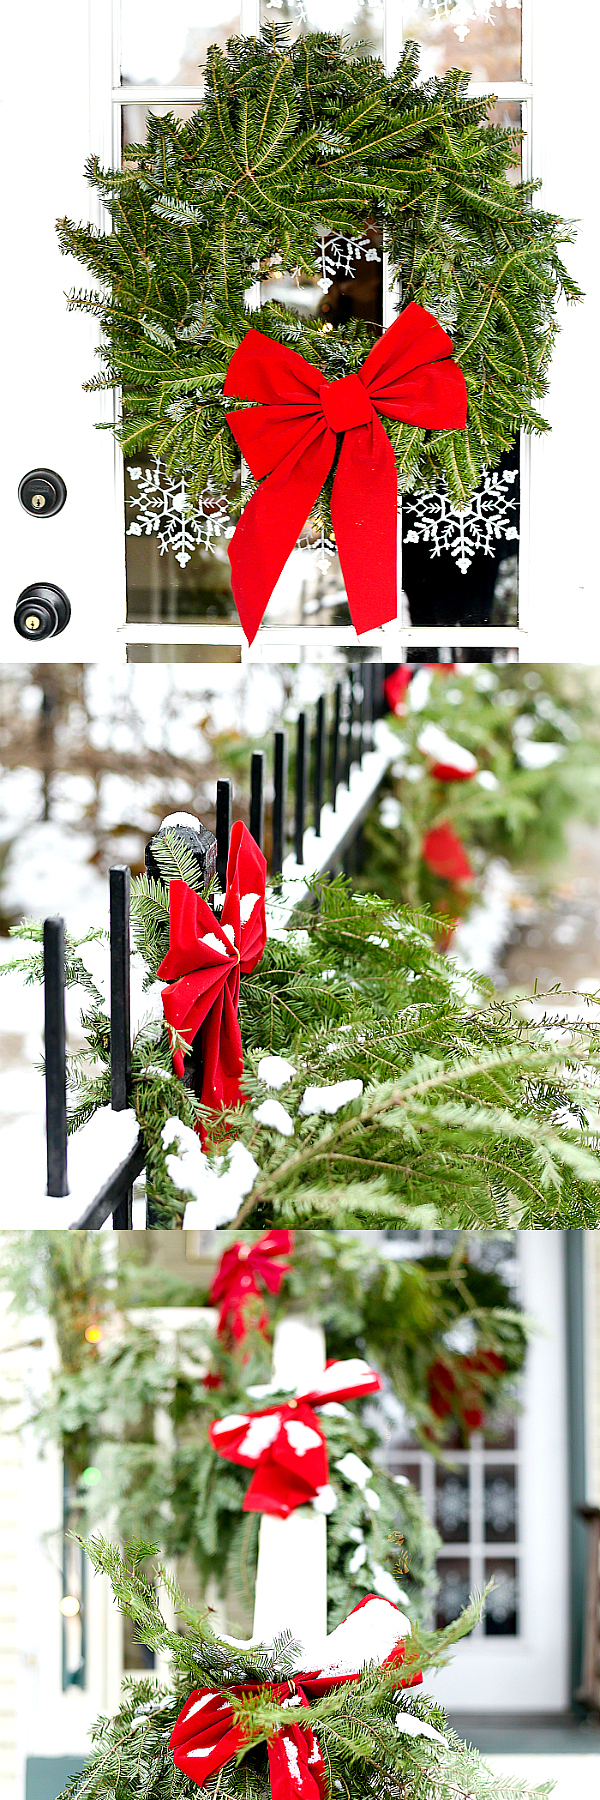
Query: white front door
[{"x": 82, "y": 73}]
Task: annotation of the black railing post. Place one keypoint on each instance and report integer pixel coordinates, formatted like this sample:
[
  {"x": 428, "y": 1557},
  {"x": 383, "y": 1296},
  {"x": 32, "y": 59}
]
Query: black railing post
[
  {"x": 279, "y": 799},
  {"x": 56, "y": 1057},
  {"x": 368, "y": 705},
  {"x": 360, "y": 714},
  {"x": 335, "y": 743},
  {"x": 300, "y": 787},
  {"x": 319, "y": 764},
  {"x": 223, "y": 829},
  {"x": 257, "y": 798},
  {"x": 349, "y": 723},
  {"x": 120, "y": 1015},
  {"x": 378, "y": 693}
]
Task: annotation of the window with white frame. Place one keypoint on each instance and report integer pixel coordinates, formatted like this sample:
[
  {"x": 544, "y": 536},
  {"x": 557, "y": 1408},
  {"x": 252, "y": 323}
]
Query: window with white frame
[{"x": 461, "y": 576}]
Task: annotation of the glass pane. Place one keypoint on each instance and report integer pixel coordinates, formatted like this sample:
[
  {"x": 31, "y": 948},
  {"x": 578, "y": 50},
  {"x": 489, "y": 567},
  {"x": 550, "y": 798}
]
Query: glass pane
[
  {"x": 500, "y": 1505},
  {"x": 134, "y": 120},
  {"x": 462, "y": 568},
  {"x": 483, "y": 36},
  {"x": 452, "y": 1505},
  {"x": 359, "y": 20},
  {"x": 178, "y": 566},
  {"x": 510, "y": 114},
  {"x": 500, "y": 1432},
  {"x": 501, "y": 1615},
  {"x": 454, "y": 1589},
  {"x": 166, "y": 44}
]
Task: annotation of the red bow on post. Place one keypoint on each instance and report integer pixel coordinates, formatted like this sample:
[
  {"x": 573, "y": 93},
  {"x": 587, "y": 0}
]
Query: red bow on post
[
  {"x": 285, "y": 1444},
  {"x": 292, "y": 439},
  {"x": 207, "y": 1734},
  {"x": 237, "y": 1275},
  {"x": 204, "y": 961},
  {"x": 445, "y": 854}
]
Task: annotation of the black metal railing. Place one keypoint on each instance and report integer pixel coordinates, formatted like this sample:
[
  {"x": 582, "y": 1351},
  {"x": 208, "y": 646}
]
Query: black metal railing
[{"x": 327, "y": 746}]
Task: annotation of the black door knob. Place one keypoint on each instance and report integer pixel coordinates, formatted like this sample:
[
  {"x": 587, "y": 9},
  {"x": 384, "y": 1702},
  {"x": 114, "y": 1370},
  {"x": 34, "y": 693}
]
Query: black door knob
[
  {"x": 42, "y": 611},
  {"x": 42, "y": 492}
]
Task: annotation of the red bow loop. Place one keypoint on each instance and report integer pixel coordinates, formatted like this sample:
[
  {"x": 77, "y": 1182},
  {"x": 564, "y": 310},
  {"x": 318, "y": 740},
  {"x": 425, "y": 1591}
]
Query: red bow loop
[
  {"x": 285, "y": 1444},
  {"x": 290, "y": 442},
  {"x": 203, "y": 965}
]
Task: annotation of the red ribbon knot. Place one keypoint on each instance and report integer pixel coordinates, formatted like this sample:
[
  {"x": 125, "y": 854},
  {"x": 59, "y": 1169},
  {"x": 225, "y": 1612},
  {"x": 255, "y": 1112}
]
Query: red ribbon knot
[
  {"x": 290, "y": 442},
  {"x": 285, "y": 1444}
]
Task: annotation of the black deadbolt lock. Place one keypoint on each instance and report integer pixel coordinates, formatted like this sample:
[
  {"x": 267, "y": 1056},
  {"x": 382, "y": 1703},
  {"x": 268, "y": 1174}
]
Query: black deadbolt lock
[
  {"x": 42, "y": 611},
  {"x": 42, "y": 493}
]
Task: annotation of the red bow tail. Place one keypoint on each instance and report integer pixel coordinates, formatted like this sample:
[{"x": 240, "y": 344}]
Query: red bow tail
[
  {"x": 296, "y": 1766},
  {"x": 290, "y": 443}
]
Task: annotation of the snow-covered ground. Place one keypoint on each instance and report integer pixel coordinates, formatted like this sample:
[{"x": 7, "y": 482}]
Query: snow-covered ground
[{"x": 575, "y": 1777}]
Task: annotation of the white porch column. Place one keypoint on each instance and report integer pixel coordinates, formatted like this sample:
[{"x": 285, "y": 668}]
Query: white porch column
[{"x": 291, "y": 1578}]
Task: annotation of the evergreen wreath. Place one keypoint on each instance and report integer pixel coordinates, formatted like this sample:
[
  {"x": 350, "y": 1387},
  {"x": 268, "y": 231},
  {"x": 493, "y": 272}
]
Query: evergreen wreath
[
  {"x": 293, "y": 139},
  {"x": 372, "y": 1734}
]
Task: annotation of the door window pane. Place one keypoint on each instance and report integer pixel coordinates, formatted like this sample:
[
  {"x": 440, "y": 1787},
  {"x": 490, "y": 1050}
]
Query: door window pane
[
  {"x": 501, "y": 1609},
  {"x": 359, "y": 20},
  {"x": 452, "y": 1505},
  {"x": 483, "y": 36},
  {"x": 168, "y": 44},
  {"x": 500, "y": 1504},
  {"x": 509, "y": 113},
  {"x": 454, "y": 1589},
  {"x": 461, "y": 568},
  {"x": 134, "y": 120}
]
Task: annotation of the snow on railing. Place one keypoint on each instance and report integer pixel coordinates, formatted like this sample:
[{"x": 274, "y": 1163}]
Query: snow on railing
[{"x": 337, "y": 777}]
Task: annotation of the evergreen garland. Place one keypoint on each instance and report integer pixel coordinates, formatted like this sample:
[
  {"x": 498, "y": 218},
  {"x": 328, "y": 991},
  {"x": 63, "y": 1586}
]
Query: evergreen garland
[
  {"x": 470, "y": 1115},
  {"x": 355, "y": 1725},
  {"x": 515, "y": 811},
  {"x": 290, "y": 139}
]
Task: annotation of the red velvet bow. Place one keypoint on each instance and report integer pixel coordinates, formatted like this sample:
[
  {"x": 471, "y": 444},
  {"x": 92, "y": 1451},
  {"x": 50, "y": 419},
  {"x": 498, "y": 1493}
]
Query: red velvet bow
[
  {"x": 445, "y": 854},
  {"x": 204, "y": 961},
  {"x": 207, "y": 1734},
  {"x": 237, "y": 1275},
  {"x": 285, "y": 1444},
  {"x": 292, "y": 439}
]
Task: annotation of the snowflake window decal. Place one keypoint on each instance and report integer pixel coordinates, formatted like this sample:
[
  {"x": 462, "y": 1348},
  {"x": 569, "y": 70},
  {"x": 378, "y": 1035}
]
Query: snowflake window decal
[
  {"x": 481, "y": 524},
  {"x": 337, "y": 256},
  {"x": 465, "y": 13},
  {"x": 162, "y": 506}
]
